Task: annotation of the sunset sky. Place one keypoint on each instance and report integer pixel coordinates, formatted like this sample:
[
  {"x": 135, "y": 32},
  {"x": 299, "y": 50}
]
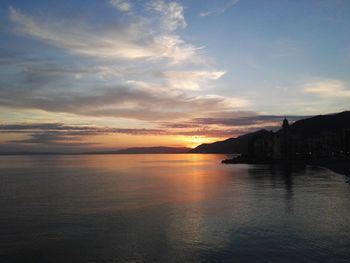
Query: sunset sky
[{"x": 111, "y": 74}]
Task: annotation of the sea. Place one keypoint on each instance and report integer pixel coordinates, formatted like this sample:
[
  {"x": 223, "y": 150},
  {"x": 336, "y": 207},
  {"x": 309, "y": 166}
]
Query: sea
[{"x": 169, "y": 208}]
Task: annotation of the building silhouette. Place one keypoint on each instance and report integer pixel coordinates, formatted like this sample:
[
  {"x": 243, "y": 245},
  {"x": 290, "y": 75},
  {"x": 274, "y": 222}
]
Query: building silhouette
[{"x": 290, "y": 143}]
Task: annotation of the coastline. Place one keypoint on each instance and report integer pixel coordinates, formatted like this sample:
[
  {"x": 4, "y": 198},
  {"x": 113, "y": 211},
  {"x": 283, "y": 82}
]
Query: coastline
[
  {"x": 337, "y": 166},
  {"x": 341, "y": 166}
]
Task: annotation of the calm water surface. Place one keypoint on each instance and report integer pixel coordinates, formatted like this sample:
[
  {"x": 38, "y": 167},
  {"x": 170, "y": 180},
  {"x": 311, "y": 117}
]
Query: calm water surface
[{"x": 169, "y": 208}]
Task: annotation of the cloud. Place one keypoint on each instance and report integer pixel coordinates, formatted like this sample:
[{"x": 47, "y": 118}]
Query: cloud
[
  {"x": 172, "y": 14},
  {"x": 45, "y": 68},
  {"x": 125, "y": 70},
  {"x": 119, "y": 101},
  {"x": 327, "y": 88},
  {"x": 221, "y": 133},
  {"x": 190, "y": 79},
  {"x": 110, "y": 90},
  {"x": 123, "y": 41},
  {"x": 122, "y": 5},
  {"x": 52, "y": 139},
  {"x": 72, "y": 130},
  {"x": 144, "y": 88},
  {"x": 261, "y": 120},
  {"x": 220, "y": 10},
  {"x": 60, "y": 134},
  {"x": 239, "y": 120}
]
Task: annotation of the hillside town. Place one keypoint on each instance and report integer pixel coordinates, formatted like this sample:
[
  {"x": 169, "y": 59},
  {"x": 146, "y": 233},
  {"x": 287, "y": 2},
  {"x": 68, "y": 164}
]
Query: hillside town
[{"x": 290, "y": 144}]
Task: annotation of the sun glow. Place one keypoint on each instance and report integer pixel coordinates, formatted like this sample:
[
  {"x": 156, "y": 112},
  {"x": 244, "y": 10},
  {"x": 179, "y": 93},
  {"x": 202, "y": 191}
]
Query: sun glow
[{"x": 193, "y": 141}]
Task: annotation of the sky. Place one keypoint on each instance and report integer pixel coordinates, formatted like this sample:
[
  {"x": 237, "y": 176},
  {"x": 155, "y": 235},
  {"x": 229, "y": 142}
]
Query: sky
[{"x": 110, "y": 74}]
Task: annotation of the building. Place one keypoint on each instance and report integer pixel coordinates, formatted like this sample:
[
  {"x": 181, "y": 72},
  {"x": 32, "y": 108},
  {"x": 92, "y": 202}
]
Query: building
[{"x": 302, "y": 144}]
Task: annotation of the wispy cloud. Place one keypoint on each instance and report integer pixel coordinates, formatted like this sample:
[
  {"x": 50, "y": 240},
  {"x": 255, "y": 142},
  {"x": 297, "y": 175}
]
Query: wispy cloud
[
  {"x": 221, "y": 9},
  {"x": 66, "y": 135},
  {"x": 124, "y": 41},
  {"x": 52, "y": 139},
  {"x": 61, "y": 134},
  {"x": 190, "y": 79},
  {"x": 131, "y": 78},
  {"x": 122, "y": 5},
  {"x": 262, "y": 120},
  {"x": 239, "y": 120},
  {"x": 328, "y": 88},
  {"x": 137, "y": 69},
  {"x": 120, "y": 101},
  {"x": 72, "y": 130},
  {"x": 171, "y": 14}
]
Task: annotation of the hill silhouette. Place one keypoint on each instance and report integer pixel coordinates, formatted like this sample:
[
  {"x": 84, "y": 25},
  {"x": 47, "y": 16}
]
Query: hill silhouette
[
  {"x": 146, "y": 150},
  {"x": 321, "y": 124},
  {"x": 304, "y": 128},
  {"x": 240, "y": 144}
]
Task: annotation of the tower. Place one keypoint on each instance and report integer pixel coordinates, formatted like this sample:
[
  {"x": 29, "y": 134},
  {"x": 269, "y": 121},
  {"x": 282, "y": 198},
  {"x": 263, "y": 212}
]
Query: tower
[
  {"x": 286, "y": 140},
  {"x": 285, "y": 124}
]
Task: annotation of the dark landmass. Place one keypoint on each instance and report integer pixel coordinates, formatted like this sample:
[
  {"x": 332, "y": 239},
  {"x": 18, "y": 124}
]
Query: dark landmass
[
  {"x": 146, "y": 150},
  {"x": 321, "y": 124},
  {"x": 322, "y": 140},
  {"x": 232, "y": 145},
  {"x": 306, "y": 127}
]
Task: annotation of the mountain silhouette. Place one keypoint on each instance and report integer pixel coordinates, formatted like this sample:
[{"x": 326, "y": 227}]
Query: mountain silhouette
[
  {"x": 321, "y": 124},
  {"x": 146, "y": 150},
  {"x": 305, "y": 128},
  {"x": 240, "y": 144}
]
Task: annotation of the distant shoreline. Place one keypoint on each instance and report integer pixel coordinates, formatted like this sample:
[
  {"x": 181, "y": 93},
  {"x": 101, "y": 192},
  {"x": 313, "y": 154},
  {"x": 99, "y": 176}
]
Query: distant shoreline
[
  {"x": 88, "y": 153},
  {"x": 337, "y": 166},
  {"x": 133, "y": 150}
]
